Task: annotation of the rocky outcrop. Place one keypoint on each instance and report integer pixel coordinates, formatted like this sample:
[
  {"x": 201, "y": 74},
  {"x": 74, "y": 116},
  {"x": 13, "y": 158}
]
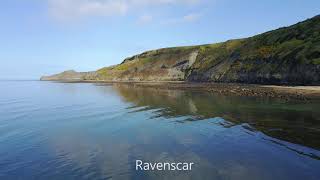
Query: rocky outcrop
[
  {"x": 160, "y": 65},
  {"x": 289, "y": 55}
]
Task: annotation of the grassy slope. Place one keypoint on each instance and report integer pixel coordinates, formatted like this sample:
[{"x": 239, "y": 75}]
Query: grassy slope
[
  {"x": 289, "y": 55},
  {"x": 150, "y": 65},
  {"x": 286, "y": 55}
]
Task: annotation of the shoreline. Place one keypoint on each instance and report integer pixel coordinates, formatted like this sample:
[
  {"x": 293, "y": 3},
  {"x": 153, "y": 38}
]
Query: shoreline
[{"x": 285, "y": 92}]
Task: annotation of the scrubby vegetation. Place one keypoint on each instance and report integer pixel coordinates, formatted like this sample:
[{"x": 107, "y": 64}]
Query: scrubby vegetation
[
  {"x": 283, "y": 56},
  {"x": 289, "y": 55}
]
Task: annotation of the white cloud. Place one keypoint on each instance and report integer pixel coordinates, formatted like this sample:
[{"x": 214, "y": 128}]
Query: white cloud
[
  {"x": 75, "y": 9},
  {"x": 145, "y": 19},
  {"x": 72, "y": 9},
  {"x": 159, "y": 2},
  {"x": 189, "y": 18}
]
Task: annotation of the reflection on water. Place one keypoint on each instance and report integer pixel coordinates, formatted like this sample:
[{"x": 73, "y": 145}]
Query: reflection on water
[
  {"x": 297, "y": 122},
  {"x": 83, "y": 131}
]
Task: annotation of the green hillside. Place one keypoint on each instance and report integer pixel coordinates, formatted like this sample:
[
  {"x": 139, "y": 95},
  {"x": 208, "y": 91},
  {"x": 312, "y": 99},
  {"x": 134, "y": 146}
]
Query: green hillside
[{"x": 289, "y": 55}]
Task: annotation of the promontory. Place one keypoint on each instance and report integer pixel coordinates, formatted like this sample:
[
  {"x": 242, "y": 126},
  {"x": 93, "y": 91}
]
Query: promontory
[{"x": 288, "y": 55}]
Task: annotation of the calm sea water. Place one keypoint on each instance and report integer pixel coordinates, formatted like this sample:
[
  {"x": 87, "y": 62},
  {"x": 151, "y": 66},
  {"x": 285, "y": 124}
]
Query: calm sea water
[{"x": 85, "y": 131}]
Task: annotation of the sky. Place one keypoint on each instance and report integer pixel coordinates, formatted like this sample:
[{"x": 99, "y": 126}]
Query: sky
[{"x": 42, "y": 37}]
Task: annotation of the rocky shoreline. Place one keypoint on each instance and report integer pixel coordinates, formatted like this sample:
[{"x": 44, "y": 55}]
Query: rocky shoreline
[
  {"x": 287, "y": 93},
  {"x": 285, "y": 56}
]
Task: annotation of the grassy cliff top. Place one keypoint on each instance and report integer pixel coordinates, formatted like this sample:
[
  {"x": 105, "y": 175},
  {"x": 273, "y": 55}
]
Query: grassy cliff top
[{"x": 288, "y": 55}]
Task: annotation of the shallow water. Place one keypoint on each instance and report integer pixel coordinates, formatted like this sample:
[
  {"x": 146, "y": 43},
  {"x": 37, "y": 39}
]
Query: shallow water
[{"x": 85, "y": 131}]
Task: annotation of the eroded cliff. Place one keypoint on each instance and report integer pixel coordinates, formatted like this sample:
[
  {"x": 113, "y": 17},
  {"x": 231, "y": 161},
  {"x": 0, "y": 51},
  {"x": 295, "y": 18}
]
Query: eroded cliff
[{"x": 289, "y": 55}]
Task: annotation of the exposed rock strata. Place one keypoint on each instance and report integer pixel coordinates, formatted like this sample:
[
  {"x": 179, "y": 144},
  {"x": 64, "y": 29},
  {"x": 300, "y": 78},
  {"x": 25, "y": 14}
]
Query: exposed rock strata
[{"x": 289, "y": 55}]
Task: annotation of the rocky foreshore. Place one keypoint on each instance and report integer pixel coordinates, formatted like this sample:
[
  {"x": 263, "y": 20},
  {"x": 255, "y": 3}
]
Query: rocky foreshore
[
  {"x": 288, "y": 57},
  {"x": 286, "y": 93},
  {"x": 285, "y": 56}
]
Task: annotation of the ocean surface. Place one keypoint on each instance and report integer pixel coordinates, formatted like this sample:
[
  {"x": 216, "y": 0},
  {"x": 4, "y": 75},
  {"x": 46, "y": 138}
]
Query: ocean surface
[{"x": 87, "y": 131}]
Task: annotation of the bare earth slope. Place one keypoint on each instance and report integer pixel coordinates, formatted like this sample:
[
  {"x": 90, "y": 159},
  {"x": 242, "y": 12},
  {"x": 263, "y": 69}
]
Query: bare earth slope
[{"x": 289, "y": 55}]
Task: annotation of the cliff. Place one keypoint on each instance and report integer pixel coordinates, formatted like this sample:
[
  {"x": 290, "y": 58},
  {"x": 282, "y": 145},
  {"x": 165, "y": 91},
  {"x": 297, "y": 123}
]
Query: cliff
[{"x": 289, "y": 55}]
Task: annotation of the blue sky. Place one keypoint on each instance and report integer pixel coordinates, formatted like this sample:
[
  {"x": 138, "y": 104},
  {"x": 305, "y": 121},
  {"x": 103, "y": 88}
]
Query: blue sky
[{"x": 48, "y": 36}]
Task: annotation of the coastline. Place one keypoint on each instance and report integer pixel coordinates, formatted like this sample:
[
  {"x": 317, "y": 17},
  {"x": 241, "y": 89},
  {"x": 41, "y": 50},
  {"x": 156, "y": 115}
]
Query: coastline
[{"x": 285, "y": 92}]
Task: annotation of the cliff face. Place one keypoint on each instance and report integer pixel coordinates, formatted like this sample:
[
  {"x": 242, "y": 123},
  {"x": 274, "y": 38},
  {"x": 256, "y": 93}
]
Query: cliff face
[
  {"x": 285, "y": 56},
  {"x": 159, "y": 65},
  {"x": 288, "y": 55}
]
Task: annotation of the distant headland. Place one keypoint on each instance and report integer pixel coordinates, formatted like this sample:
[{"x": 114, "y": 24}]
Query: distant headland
[{"x": 286, "y": 56}]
